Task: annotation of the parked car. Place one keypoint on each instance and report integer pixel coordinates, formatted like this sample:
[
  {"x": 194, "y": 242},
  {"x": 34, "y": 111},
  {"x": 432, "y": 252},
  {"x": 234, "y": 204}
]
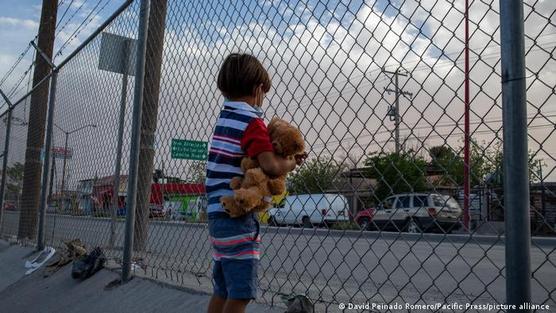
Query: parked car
[
  {"x": 310, "y": 209},
  {"x": 413, "y": 212}
]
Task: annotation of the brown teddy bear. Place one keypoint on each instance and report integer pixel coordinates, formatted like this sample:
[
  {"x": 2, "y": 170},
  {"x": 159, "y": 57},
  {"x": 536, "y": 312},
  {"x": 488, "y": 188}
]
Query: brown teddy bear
[{"x": 253, "y": 192}]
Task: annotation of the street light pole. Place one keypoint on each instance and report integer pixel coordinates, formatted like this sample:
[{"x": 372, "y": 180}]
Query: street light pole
[
  {"x": 67, "y": 133},
  {"x": 63, "y": 207}
]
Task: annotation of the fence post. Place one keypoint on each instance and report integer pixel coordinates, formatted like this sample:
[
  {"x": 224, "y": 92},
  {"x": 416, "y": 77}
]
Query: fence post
[
  {"x": 117, "y": 170},
  {"x": 5, "y": 158},
  {"x": 46, "y": 165},
  {"x": 516, "y": 172},
  {"x": 135, "y": 139}
]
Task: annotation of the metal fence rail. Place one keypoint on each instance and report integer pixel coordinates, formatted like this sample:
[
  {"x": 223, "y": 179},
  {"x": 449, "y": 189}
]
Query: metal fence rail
[{"x": 378, "y": 90}]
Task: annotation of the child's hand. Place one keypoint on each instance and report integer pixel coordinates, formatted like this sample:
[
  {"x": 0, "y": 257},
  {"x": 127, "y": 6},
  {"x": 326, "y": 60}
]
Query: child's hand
[{"x": 300, "y": 158}]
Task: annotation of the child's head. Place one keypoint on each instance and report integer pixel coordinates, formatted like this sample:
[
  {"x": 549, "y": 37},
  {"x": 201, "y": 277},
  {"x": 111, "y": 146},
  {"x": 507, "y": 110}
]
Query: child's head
[{"x": 243, "y": 77}]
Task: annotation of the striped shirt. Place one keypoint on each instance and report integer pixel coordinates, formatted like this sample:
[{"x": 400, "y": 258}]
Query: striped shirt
[{"x": 225, "y": 152}]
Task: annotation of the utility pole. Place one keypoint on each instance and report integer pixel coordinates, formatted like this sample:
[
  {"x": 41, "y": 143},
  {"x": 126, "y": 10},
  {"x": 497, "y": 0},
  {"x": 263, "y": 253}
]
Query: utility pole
[
  {"x": 151, "y": 90},
  {"x": 394, "y": 112},
  {"x": 5, "y": 156},
  {"x": 37, "y": 119}
]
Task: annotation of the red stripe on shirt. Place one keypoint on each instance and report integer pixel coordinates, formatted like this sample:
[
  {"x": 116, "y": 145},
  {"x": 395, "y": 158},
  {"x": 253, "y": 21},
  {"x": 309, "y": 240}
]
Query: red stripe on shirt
[
  {"x": 227, "y": 139},
  {"x": 218, "y": 151}
]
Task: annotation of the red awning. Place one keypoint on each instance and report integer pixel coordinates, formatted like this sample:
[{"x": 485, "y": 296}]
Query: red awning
[{"x": 177, "y": 188}]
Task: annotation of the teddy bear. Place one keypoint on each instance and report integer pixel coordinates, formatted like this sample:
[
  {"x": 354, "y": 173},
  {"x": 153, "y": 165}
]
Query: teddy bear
[{"x": 253, "y": 192}]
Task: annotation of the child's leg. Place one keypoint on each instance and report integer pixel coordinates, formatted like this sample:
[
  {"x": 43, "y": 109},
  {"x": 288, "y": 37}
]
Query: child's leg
[
  {"x": 216, "y": 304},
  {"x": 235, "y": 306},
  {"x": 218, "y": 299}
]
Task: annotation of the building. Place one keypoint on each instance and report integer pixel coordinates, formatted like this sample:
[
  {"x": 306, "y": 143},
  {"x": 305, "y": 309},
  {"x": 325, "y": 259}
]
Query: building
[
  {"x": 96, "y": 195},
  {"x": 357, "y": 187},
  {"x": 543, "y": 207},
  {"x": 84, "y": 194}
]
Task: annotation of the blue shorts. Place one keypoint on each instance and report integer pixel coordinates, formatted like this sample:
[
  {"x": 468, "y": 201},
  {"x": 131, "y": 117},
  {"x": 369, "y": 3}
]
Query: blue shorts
[{"x": 236, "y": 250}]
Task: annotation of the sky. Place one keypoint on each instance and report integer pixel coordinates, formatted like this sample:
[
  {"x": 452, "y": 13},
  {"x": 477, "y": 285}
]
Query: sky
[
  {"x": 325, "y": 60},
  {"x": 19, "y": 22}
]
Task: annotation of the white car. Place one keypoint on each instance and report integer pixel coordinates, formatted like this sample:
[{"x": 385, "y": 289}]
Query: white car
[
  {"x": 311, "y": 209},
  {"x": 413, "y": 212}
]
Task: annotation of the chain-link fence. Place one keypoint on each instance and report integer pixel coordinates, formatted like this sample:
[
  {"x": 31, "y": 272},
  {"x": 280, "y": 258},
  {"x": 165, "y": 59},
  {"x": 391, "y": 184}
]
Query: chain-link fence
[{"x": 376, "y": 213}]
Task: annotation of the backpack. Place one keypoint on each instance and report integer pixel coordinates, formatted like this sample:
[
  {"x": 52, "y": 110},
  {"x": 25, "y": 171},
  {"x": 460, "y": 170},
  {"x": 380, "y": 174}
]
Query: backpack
[{"x": 88, "y": 264}]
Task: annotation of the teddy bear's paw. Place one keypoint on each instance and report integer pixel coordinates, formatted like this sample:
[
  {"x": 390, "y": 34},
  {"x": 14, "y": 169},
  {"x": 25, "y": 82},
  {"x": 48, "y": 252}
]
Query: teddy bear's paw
[
  {"x": 235, "y": 183},
  {"x": 248, "y": 163},
  {"x": 277, "y": 186}
]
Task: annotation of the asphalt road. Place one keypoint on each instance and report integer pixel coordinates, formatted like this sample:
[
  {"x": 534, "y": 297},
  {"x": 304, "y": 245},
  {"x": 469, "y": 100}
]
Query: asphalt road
[{"x": 331, "y": 266}]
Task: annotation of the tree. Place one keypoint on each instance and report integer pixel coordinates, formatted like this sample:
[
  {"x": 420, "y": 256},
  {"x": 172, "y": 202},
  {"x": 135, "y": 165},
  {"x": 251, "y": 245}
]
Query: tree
[
  {"x": 197, "y": 172},
  {"x": 444, "y": 160},
  {"x": 314, "y": 176},
  {"x": 486, "y": 163},
  {"x": 396, "y": 173},
  {"x": 493, "y": 165},
  {"x": 15, "y": 178}
]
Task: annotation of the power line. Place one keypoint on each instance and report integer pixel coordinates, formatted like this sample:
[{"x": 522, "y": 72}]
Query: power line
[
  {"x": 65, "y": 12},
  {"x": 321, "y": 147},
  {"x": 351, "y": 138},
  {"x": 83, "y": 24},
  {"x": 16, "y": 86},
  {"x": 423, "y": 67},
  {"x": 12, "y": 68},
  {"x": 22, "y": 55},
  {"x": 71, "y": 17}
]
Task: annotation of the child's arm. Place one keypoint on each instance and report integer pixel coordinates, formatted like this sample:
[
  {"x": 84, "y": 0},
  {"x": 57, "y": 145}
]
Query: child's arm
[
  {"x": 256, "y": 144},
  {"x": 274, "y": 165}
]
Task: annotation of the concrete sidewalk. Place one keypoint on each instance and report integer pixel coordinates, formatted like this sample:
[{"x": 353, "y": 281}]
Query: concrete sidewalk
[{"x": 60, "y": 293}]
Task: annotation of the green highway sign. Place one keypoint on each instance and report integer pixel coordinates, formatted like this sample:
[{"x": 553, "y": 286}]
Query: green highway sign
[{"x": 189, "y": 149}]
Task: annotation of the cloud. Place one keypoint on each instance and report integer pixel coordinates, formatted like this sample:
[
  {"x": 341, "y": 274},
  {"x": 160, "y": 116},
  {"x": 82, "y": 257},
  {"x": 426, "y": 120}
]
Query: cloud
[
  {"x": 77, "y": 3},
  {"x": 326, "y": 75},
  {"x": 17, "y": 22}
]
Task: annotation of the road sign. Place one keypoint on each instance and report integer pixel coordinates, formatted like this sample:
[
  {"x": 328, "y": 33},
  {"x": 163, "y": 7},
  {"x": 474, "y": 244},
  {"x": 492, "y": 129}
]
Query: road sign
[
  {"x": 113, "y": 54},
  {"x": 189, "y": 149}
]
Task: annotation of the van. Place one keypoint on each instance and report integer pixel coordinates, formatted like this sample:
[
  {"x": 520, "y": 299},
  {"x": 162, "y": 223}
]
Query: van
[{"x": 310, "y": 209}]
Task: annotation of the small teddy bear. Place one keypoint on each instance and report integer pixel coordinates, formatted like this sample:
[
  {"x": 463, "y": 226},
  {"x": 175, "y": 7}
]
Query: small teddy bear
[{"x": 253, "y": 192}]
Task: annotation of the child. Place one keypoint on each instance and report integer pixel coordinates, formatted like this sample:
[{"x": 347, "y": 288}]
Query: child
[{"x": 239, "y": 132}]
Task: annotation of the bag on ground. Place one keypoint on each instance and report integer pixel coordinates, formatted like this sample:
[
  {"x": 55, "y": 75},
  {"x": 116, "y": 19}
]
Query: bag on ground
[{"x": 88, "y": 265}]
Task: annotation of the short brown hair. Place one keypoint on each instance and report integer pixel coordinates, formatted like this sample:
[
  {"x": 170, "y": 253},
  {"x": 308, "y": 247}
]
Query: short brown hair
[{"x": 240, "y": 74}]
